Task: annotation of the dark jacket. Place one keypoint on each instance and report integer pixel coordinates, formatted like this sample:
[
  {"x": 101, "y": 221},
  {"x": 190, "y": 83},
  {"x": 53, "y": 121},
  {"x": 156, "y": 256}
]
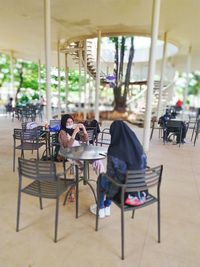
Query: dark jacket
[{"x": 116, "y": 169}]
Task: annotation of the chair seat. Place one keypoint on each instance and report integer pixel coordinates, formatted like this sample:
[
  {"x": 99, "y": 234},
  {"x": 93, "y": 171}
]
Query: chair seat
[
  {"x": 30, "y": 146},
  {"x": 47, "y": 189},
  {"x": 150, "y": 199}
]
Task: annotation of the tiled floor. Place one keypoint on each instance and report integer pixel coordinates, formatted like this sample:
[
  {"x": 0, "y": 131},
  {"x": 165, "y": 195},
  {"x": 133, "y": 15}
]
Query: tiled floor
[{"x": 79, "y": 244}]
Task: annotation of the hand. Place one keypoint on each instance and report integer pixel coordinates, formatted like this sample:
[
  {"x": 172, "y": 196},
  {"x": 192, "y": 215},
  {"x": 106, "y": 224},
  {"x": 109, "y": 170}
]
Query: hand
[
  {"x": 77, "y": 129},
  {"x": 81, "y": 126}
]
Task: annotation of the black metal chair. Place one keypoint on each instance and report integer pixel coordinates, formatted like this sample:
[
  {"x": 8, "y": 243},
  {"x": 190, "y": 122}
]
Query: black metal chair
[
  {"x": 104, "y": 137},
  {"x": 46, "y": 183},
  {"x": 173, "y": 128},
  {"x": 91, "y": 135},
  {"x": 156, "y": 126},
  {"x": 28, "y": 139},
  {"x": 135, "y": 181}
]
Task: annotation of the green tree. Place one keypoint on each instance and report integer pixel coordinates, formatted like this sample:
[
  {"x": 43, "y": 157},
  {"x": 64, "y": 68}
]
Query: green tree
[
  {"x": 121, "y": 84},
  {"x": 4, "y": 69}
]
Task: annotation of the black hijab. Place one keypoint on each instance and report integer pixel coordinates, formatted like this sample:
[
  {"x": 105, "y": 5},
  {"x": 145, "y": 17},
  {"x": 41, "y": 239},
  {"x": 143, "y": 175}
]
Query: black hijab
[
  {"x": 63, "y": 125},
  {"x": 125, "y": 145}
]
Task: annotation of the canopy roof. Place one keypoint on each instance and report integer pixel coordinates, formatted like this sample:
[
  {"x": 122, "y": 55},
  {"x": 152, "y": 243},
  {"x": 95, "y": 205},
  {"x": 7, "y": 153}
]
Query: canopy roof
[{"x": 22, "y": 24}]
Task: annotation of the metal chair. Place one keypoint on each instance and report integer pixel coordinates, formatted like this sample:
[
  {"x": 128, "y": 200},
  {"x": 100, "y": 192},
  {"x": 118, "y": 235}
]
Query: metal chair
[
  {"x": 91, "y": 135},
  {"x": 45, "y": 183},
  {"x": 173, "y": 128},
  {"x": 104, "y": 137},
  {"x": 155, "y": 126},
  {"x": 28, "y": 139},
  {"x": 135, "y": 181}
]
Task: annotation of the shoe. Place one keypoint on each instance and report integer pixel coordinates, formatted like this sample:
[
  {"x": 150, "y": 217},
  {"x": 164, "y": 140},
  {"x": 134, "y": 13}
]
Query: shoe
[
  {"x": 133, "y": 201},
  {"x": 142, "y": 197},
  {"x": 93, "y": 210},
  {"x": 107, "y": 211}
]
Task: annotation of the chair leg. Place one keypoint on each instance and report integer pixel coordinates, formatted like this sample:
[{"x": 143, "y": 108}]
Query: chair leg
[
  {"x": 77, "y": 190},
  {"x": 151, "y": 135},
  {"x": 14, "y": 159},
  {"x": 56, "y": 219},
  {"x": 18, "y": 206},
  {"x": 64, "y": 168},
  {"x": 122, "y": 234},
  {"x": 133, "y": 213},
  {"x": 98, "y": 198},
  {"x": 195, "y": 138},
  {"x": 158, "y": 221},
  {"x": 40, "y": 198}
]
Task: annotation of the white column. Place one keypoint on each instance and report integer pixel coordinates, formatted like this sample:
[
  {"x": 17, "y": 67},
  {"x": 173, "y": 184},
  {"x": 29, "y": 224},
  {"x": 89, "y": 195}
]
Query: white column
[
  {"x": 151, "y": 71},
  {"x": 188, "y": 70},
  {"x": 47, "y": 29},
  {"x": 66, "y": 82},
  {"x": 159, "y": 111},
  {"x": 39, "y": 78},
  {"x": 59, "y": 89},
  {"x": 85, "y": 72},
  {"x": 11, "y": 75},
  {"x": 79, "y": 74},
  {"x": 97, "y": 91}
]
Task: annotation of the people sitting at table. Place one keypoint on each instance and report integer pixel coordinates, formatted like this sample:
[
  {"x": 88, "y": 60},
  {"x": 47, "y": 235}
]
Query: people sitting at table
[
  {"x": 124, "y": 153},
  {"x": 163, "y": 123}
]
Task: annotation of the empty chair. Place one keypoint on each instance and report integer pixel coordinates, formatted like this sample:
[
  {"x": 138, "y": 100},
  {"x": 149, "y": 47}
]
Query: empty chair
[
  {"x": 45, "y": 183},
  {"x": 156, "y": 126},
  {"x": 135, "y": 181},
  {"x": 28, "y": 139}
]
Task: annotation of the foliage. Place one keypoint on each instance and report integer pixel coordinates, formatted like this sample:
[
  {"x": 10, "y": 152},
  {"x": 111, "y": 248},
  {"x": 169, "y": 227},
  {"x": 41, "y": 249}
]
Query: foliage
[
  {"x": 4, "y": 69},
  {"x": 26, "y": 78},
  {"x": 194, "y": 85}
]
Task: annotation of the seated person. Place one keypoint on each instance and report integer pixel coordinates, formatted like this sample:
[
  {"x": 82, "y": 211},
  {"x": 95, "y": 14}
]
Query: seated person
[
  {"x": 71, "y": 135},
  {"x": 124, "y": 153},
  {"x": 163, "y": 122}
]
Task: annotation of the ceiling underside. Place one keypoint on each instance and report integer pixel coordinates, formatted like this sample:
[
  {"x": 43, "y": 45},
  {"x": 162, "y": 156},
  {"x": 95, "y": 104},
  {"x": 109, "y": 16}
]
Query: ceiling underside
[{"x": 22, "y": 24}]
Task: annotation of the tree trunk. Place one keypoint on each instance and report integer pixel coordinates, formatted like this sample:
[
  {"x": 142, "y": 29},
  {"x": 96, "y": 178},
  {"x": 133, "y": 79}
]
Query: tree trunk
[
  {"x": 21, "y": 78},
  {"x": 128, "y": 70}
]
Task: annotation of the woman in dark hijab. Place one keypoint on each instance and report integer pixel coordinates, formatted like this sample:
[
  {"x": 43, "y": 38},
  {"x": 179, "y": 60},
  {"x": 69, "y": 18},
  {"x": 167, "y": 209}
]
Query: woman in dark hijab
[{"x": 124, "y": 153}]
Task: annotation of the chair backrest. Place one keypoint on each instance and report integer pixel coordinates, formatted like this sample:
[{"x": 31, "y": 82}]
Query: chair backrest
[
  {"x": 143, "y": 179},
  {"x": 91, "y": 134},
  {"x": 37, "y": 169},
  {"x": 31, "y": 134},
  {"x": 105, "y": 137},
  {"x": 17, "y": 134},
  {"x": 174, "y": 123}
]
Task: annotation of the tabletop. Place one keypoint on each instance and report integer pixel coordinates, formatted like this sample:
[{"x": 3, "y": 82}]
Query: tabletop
[{"x": 84, "y": 152}]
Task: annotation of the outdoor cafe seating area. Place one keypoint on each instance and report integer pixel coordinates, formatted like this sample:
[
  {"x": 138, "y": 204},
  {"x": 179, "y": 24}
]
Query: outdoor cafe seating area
[{"x": 179, "y": 225}]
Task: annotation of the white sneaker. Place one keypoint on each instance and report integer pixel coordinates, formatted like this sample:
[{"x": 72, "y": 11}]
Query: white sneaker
[
  {"x": 107, "y": 211},
  {"x": 93, "y": 210}
]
